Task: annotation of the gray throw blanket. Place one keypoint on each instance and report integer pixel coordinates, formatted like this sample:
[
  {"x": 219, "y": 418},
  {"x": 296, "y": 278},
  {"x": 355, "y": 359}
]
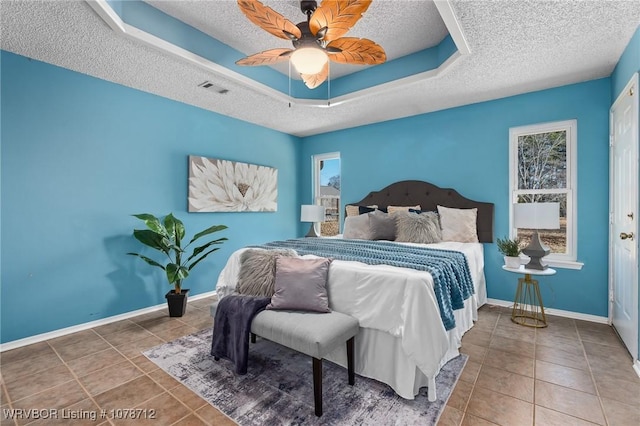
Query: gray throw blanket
[{"x": 232, "y": 326}]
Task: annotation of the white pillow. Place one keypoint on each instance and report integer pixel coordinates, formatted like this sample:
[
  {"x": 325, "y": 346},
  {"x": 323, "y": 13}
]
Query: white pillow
[
  {"x": 394, "y": 209},
  {"x": 357, "y": 227},
  {"x": 458, "y": 224}
]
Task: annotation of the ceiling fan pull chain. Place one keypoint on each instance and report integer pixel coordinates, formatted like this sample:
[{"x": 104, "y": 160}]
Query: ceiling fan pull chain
[
  {"x": 329, "y": 84},
  {"x": 289, "y": 83}
]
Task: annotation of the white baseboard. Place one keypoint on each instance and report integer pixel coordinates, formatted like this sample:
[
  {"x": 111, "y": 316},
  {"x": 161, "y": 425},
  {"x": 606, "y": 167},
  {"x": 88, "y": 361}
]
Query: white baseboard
[
  {"x": 557, "y": 312},
  {"x": 636, "y": 367},
  {"x": 87, "y": 325}
]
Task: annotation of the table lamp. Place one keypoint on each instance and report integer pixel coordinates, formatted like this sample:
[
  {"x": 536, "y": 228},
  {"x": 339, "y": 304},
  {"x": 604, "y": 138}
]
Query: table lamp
[
  {"x": 312, "y": 213},
  {"x": 536, "y": 216}
]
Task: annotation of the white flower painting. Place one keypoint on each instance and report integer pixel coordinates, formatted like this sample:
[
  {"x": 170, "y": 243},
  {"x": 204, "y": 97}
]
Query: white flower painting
[{"x": 228, "y": 186}]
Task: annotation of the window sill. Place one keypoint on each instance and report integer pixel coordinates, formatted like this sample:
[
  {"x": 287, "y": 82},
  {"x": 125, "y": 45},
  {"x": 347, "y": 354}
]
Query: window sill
[{"x": 557, "y": 263}]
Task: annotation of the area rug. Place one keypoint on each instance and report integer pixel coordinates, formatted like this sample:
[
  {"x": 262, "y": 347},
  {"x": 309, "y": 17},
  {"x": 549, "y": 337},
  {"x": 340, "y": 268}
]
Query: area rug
[{"x": 278, "y": 387}]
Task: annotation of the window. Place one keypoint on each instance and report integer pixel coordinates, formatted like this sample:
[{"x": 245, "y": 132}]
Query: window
[
  {"x": 542, "y": 169},
  {"x": 326, "y": 190}
]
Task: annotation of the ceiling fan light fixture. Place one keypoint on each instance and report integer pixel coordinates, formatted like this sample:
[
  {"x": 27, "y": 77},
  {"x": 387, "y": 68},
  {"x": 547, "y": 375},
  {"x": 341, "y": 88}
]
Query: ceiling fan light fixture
[{"x": 309, "y": 60}]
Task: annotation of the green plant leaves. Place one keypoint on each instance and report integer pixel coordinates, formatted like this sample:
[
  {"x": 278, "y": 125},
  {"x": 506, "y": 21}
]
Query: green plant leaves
[
  {"x": 152, "y": 239},
  {"x": 176, "y": 272},
  {"x": 211, "y": 230},
  {"x": 152, "y": 223},
  {"x": 148, "y": 260}
]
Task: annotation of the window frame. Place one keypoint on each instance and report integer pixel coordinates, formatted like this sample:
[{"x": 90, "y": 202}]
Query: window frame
[
  {"x": 562, "y": 260},
  {"x": 315, "y": 167}
]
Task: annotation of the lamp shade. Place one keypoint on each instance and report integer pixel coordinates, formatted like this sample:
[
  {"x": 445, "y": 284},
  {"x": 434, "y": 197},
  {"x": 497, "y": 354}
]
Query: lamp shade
[
  {"x": 537, "y": 215},
  {"x": 311, "y": 213}
]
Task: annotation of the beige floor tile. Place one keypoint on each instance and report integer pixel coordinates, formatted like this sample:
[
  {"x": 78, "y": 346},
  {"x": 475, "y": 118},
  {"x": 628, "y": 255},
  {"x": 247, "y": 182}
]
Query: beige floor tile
[
  {"x": 471, "y": 420},
  {"x": 188, "y": 397},
  {"x": 163, "y": 379},
  {"x": 83, "y": 336},
  {"x": 115, "y": 327},
  {"x": 174, "y": 333},
  {"x": 80, "y": 349},
  {"x": 625, "y": 391},
  {"x": 507, "y": 383},
  {"x": 618, "y": 413},
  {"x": 130, "y": 394},
  {"x": 547, "y": 417},
  {"x": 517, "y": 347},
  {"x": 58, "y": 397},
  {"x": 38, "y": 382},
  {"x": 516, "y": 332},
  {"x": 127, "y": 336},
  {"x": 161, "y": 324},
  {"x": 605, "y": 337},
  {"x": 470, "y": 371},
  {"x": 213, "y": 416},
  {"x": 450, "y": 417},
  {"x": 477, "y": 337},
  {"x": 30, "y": 365},
  {"x": 94, "y": 362},
  {"x": 509, "y": 361},
  {"x": 460, "y": 396},
  {"x": 568, "y": 401},
  {"x": 611, "y": 367},
  {"x": 498, "y": 408},
  {"x": 563, "y": 356},
  {"x": 191, "y": 420},
  {"x": 110, "y": 377},
  {"x": 135, "y": 348},
  {"x": 29, "y": 351},
  {"x": 599, "y": 351},
  {"x": 555, "y": 340},
  {"x": 476, "y": 353},
  {"x": 143, "y": 363},
  {"x": 568, "y": 377}
]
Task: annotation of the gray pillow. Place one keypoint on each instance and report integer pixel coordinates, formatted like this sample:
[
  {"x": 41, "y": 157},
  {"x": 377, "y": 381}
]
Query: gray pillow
[
  {"x": 257, "y": 271},
  {"x": 421, "y": 228},
  {"x": 301, "y": 284},
  {"x": 382, "y": 225},
  {"x": 357, "y": 227}
]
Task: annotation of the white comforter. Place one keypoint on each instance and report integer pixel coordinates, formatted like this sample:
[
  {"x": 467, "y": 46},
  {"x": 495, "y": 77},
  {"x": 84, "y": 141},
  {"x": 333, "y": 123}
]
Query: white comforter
[{"x": 401, "y": 303}]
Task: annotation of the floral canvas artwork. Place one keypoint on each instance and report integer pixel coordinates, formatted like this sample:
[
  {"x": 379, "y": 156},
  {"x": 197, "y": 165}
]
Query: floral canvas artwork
[{"x": 229, "y": 186}]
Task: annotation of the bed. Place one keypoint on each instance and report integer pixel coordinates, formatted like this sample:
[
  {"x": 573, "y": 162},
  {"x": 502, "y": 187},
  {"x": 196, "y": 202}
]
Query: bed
[{"x": 403, "y": 341}]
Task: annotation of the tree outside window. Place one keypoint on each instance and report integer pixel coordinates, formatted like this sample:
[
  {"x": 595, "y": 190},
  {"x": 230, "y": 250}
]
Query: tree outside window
[{"x": 543, "y": 170}]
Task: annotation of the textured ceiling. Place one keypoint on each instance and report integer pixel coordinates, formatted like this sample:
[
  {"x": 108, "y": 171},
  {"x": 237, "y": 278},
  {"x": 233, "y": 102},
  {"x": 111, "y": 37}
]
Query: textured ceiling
[{"x": 516, "y": 47}]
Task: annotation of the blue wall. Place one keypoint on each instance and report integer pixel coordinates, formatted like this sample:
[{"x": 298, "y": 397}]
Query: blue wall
[
  {"x": 628, "y": 65},
  {"x": 80, "y": 155},
  {"x": 467, "y": 148}
]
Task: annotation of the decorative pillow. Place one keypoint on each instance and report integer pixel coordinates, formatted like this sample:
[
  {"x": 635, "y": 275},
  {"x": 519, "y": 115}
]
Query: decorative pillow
[
  {"x": 458, "y": 224},
  {"x": 301, "y": 284},
  {"x": 353, "y": 210},
  {"x": 257, "y": 271},
  {"x": 418, "y": 228},
  {"x": 357, "y": 227},
  {"x": 382, "y": 225},
  {"x": 393, "y": 209}
]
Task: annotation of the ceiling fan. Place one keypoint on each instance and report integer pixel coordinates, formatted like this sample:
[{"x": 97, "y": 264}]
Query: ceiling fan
[{"x": 317, "y": 40}]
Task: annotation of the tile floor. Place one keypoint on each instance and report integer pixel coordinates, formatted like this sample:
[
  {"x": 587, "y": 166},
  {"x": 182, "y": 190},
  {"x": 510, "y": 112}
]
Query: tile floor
[{"x": 571, "y": 373}]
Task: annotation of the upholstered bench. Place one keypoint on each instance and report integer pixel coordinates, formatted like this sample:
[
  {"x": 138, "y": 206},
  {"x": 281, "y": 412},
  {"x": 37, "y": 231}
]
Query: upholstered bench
[{"x": 311, "y": 333}]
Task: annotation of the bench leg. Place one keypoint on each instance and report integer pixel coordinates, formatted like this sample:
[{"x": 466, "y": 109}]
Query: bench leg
[
  {"x": 350, "y": 369},
  {"x": 253, "y": 337},
  {"x": 317, "y": 385}
]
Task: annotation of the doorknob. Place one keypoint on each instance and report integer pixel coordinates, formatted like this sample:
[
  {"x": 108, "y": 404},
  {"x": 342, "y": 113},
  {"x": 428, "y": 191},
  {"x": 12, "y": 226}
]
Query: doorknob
[{"x": 624, "y": 235}]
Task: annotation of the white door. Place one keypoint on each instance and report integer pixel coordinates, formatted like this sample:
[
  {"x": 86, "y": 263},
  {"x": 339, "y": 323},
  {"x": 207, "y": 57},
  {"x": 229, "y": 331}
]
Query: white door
[{"x": 624, "y": 216}]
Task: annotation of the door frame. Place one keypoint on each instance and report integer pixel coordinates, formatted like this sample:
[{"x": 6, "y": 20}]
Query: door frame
[{"x": 633, "y": 82}]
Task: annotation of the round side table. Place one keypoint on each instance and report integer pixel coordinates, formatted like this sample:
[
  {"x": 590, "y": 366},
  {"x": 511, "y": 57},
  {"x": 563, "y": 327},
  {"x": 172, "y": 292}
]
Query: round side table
[{"x": 527, "y": 305}]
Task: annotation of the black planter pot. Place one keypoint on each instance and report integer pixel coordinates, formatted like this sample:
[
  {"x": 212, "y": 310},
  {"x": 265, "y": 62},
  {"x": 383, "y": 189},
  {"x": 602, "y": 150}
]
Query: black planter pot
[{"x": 177, "y": 302}]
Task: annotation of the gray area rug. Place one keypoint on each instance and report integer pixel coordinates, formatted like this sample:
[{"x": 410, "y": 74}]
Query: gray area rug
[{"x": 278, "y": 387}]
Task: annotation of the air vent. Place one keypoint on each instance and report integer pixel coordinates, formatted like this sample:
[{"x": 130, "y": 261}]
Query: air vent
[{"x": 212, "y": 87}]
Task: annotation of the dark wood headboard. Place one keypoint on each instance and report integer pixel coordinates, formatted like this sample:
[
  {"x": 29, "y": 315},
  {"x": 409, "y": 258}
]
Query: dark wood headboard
[{"x": 429, "y": 196}]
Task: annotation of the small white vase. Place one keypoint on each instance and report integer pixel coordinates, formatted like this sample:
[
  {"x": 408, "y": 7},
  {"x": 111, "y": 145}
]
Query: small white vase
[{"x": 512, "y": 262}]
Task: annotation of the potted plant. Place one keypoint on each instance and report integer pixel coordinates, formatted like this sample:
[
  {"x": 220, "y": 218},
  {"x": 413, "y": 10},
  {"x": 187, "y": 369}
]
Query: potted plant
[
  {"x": 510, "y": 248},
  {"x": 167, "y": 238}
]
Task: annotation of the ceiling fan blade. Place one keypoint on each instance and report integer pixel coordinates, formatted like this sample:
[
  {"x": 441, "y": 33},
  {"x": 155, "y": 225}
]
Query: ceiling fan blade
[
  {"x": 269, "y": 20},
  {"x": 338, "y": 16},
  {"x": 266, "y": 58},
  {"x": 358, "y": 51},
  {"x": 314, "y": 80}
]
